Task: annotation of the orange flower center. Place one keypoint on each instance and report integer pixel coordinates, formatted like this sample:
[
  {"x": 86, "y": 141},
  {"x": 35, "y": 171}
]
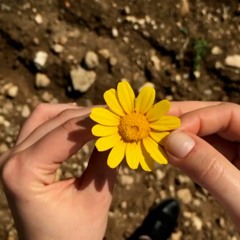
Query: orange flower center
[{"x": 133, "y": 127}]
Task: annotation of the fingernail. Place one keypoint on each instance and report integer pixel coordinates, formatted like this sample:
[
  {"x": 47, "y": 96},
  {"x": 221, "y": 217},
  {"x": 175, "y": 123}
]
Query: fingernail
[{"x": 179, "y": 144}]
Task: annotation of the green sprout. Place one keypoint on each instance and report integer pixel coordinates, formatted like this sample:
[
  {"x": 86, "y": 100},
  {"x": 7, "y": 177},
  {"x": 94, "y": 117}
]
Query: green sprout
[{"x": 200, "y": 51}]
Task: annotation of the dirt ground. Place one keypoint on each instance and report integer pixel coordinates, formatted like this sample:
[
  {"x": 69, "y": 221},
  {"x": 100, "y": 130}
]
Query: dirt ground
[{"x": 186, "y": 49}]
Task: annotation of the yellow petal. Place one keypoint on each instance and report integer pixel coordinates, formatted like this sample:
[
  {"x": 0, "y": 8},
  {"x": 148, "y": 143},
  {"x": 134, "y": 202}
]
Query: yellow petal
[
  {"x": 166, "y": 123},
  {"x": 155, "y": 151},
  {"x": 104, "y": 117},
  {"x": 116, "y": 155},
  {"x": 126, "y": 96},
  {"x": 110, "y": 98},
  {"x": 145, "y": 99},
  {"x": 105, "y": 143},
  {"x": 101, "y": 131},
  {"x": 132, "y": 155},
  {"x": 159, "y": 109},
  {"x": 146, "y": 161},
  {"x": 158, "y": 136}
]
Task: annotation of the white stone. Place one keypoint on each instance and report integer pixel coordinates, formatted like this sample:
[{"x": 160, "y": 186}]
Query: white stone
[
  {"x": 40, "y": 59},
  {"x": 176, "y": 235},
  {"x": 185, "y": 7},
  {"x": 127, "y": 10},
  {"x": 126, "y": 179},
  {"x": 156, "y": 62},
  {"x": 91, "y": 60},
  {"x": 4, "y": 122},
  {"x": 185, "y": 195},
  {"x": 85, "y": 149},
  {"x": 222, "y": 222},
  {"x": 113, "y": 61},
  {"x": 25, "y": 111},
  {"x": 207, "y": 92},
  {"x": 104, "y": 53},
  {"x": 159, "y": 174},
  {"x": 82, "y": 80},
  {"x": 218, "y": 65},
  {"x": 178, "y": 78},
  {"x": 47, "y": 97},
  {"x": 42, "y": 80},
  {"x": 216, "y": 50},
  {"x": 38, "y": 19},
  {"x": 7, "y": 107},
  {"x": 233, "y": 60},
  {"x": 197, "y": 74},
  {"x": 123, "y": 204},
  {"x": 114, "y": 32},
  {"x": 187, "y": 214},
  {"x": 126, "y": 39},
  {"x": 12, "y": 91},
  {"x": 3, "y": 148},
  {"x": 2, "y": 119},
  {"x": 184, "y": 179},
  {"x": 197, "y": 223},
  {"x": 57, "y": 48}
]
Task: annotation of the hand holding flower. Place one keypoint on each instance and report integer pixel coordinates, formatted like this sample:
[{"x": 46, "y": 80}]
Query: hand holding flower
[{"x": 133, "y": 127}]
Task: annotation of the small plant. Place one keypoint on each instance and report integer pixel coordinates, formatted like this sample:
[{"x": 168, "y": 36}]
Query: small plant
[{"x": 201, "y": 48}]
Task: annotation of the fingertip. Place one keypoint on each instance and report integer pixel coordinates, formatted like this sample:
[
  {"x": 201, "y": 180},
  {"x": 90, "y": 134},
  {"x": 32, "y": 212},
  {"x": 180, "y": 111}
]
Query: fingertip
[{"x": 179, "y": 144}]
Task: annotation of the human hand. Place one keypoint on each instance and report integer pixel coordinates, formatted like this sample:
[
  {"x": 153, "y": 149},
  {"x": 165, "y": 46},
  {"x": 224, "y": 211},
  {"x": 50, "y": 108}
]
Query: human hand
[
  {"x": 207, "y": 148},
  {"x": 42, "y": 208}
]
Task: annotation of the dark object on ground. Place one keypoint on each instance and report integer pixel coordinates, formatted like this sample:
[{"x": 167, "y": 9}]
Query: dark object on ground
[{"x": 159, "y": 223}]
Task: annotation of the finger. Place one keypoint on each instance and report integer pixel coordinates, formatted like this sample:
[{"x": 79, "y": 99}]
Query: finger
[
  {"x": 42, "y": 113},
  {"x": 221, "y": 119},
  {"x": 51, "y": 124},
  {"x": 45, "y": 156},
  {"x": 179, "y": 108},
  {"x": 205, "y": 165},
  {"x": 98, "y": 179},
  {"x": 227, "y": 148}
]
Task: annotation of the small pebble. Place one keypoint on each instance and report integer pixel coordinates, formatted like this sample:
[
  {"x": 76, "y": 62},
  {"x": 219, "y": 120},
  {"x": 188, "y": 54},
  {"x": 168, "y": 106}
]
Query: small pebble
[
  {"x": 115, "y": 32},
  {"x": 216, "y": 50},
  {"x": 12, "y": 91},
  {"x": 126, "y": 180},
  {"x": 42, "y": 80},
  {"x": 197, "y": 74},
  {"x": 112, "y": 61},
  {"x": 57, "y": 48},
  {"x": 25, "y": 111},
  {"x": 185, "y": 195},
  {"x": 40, "y": 59},
  {"x": 233, "y": 61},
  {"x": 91, "y": 60},
  {"x": 156, "y": 62},
  {"x": 104, "y": 53},
  {"x": 197, "y": 223},
  {"x": 82, "y": 80},
  {"x": 38, "y": 19},
  {"x": 3, "y": 148}
]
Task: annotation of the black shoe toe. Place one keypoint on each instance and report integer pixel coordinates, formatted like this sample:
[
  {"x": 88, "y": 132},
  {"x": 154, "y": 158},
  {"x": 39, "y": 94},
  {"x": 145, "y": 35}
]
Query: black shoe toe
[{"x": 160, "y": 221}]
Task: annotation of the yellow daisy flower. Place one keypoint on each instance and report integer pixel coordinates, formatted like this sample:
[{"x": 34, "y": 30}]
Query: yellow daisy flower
[{"x": 133, "y": 127}]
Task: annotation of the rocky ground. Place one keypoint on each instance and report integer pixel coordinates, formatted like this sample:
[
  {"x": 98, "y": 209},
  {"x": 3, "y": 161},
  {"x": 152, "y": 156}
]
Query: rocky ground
[{"x": 72, "y": 50}]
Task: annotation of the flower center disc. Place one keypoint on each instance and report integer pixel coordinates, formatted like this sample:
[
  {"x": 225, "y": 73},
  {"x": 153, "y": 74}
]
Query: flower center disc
[{"x": 133, "y": 127}]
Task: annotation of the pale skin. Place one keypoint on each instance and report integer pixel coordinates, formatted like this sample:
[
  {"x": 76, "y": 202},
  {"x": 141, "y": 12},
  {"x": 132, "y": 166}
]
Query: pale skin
[
  {"x": 42, "y": 208},
  {"x": 206, "y": 148}
]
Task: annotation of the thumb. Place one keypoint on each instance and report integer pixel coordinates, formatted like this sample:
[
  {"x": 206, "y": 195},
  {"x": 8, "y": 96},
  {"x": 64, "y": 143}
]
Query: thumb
[{"x": 206, "y": 166}]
